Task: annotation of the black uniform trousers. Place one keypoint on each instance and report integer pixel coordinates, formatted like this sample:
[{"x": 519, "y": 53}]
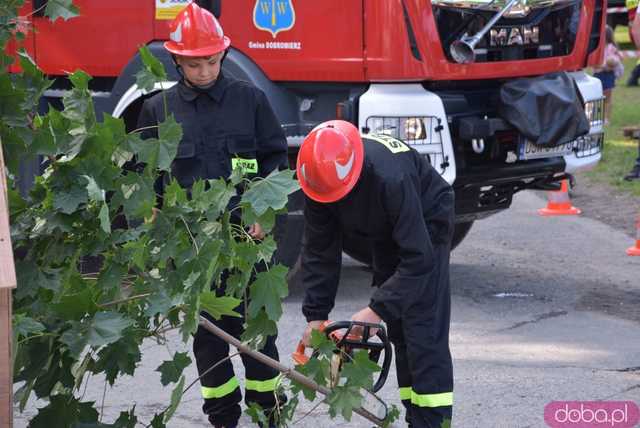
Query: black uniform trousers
[
  {"x": 423, "y": 360},
  {"x": 220, "y": 386}
]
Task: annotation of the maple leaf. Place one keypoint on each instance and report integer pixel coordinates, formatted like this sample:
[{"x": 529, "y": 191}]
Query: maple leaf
[
  {"x": 171, "y": 370},
  {"x": 267, "y": 292}
]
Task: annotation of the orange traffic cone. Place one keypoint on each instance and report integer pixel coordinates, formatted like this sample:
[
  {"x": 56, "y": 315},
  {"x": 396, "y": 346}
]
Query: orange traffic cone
[
  {"x": 559, "y": 203},
  {"x": 635, "y": 251}
]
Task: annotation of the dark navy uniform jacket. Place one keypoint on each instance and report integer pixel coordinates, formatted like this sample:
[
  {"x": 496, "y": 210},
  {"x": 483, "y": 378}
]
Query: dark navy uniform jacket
[
  {"x": 403, "y": 207},
  {"x": 230, "y": 120}
]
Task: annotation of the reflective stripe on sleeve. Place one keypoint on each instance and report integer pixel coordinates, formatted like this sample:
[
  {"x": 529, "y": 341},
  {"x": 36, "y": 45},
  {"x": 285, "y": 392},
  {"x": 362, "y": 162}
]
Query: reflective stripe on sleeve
[
  {"x": 220, "y": 391},
  {"x": 261, "y": 385},
  {"x": 432, "y": 400},
  {"x": 405, "y": 393}
]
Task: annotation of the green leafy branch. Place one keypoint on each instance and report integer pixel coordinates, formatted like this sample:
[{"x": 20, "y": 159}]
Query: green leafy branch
[{"x": 102, "y": 267}]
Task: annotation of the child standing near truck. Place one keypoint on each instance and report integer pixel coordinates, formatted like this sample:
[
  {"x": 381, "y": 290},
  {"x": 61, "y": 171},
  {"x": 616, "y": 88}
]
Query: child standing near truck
[
  {"x": 632, "y": 9},
  {"x": 610, "y": 70}
]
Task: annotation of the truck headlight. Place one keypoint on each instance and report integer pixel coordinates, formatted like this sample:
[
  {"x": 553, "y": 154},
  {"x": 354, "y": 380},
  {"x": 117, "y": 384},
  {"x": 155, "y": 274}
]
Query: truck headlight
[
  {"x": 412, "y": 130},
  {"x": 594, "y": 111},
  {"x": 423, "y": 133}
]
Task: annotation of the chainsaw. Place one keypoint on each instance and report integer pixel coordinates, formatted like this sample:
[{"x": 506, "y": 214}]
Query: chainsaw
[
  {"x": 377, "y": 345},
  {"x": 372, "y": 408}
]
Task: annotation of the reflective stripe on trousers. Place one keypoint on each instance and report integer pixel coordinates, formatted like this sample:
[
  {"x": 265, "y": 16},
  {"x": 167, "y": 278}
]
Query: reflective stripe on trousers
[
  {"x": 230, "y": 386},
  {"x": 220, "y": 391},
  {"x": 268, "y": 385},
  {"x": 426, "y": 400}
]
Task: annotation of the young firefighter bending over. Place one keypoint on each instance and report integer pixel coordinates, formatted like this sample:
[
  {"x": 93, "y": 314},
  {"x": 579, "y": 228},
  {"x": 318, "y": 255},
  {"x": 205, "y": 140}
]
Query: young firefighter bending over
[{"x": 379, "y": 188}]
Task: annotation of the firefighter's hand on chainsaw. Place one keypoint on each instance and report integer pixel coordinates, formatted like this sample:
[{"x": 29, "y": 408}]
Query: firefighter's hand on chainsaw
[
  {"x": 312, "y": 325},
  {"x": 365, "y": 315}
]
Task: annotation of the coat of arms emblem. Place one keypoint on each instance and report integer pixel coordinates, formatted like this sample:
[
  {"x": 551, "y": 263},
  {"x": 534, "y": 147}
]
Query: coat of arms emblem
[{"x": 274, "y": 15}]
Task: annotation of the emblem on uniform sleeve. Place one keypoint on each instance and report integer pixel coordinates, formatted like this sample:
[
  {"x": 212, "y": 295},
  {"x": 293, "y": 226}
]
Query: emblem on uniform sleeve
[
  {"x": 274, "y": 16},
  {"x": 393, "y": 144}
]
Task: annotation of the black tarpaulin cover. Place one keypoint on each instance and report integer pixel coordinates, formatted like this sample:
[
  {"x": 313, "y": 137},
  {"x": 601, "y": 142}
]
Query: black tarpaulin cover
[{"x": 548, "y": 110}]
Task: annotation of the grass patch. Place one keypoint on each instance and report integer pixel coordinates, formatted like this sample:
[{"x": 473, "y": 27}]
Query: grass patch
[
  {"x": 617, "y": 161},
  {"x": 619, "y": 152}
]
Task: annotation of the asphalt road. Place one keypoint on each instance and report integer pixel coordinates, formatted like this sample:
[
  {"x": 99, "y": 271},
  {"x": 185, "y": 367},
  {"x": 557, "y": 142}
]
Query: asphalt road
[{"x": 544, "y": 309}]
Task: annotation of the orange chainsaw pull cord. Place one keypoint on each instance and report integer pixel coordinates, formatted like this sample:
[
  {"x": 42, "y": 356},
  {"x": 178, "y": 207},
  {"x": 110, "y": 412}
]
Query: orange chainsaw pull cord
[{"x": 299, "y": 355}]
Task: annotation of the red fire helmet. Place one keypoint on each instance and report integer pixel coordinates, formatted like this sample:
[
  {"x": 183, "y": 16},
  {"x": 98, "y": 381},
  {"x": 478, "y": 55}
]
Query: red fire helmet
[
  {"x": 197, "y": 33},
  {"x": 330, "y": 161}
]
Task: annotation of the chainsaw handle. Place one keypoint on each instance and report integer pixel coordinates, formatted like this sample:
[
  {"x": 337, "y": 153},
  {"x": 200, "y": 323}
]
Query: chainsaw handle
[
  {"x": 356, "y": 341},
  {"x": 332, "y": 330}
]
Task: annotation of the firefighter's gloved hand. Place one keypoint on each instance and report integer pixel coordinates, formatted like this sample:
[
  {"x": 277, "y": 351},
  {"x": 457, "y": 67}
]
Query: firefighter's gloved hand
[
  {"x": 313, "y": 325},
  {"x": 365, "y": 315}
]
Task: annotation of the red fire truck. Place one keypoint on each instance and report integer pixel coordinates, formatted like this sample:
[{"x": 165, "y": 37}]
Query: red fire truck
[{"x": 426, "y": 71}]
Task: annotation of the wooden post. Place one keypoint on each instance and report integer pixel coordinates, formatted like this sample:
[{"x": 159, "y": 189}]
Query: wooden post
[
  {"x": 6, "y": 378},
  {"x": 7, "y": 283}
]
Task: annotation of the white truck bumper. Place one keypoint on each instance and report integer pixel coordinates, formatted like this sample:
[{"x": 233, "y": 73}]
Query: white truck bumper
[
  {"x": 392, "y": 108},
  {"x": 588, "y": 151}
]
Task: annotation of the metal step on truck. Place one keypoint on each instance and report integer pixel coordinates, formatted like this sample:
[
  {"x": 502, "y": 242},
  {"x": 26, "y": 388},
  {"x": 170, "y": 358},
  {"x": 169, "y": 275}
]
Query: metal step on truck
[{"x": 427, "y": 71}]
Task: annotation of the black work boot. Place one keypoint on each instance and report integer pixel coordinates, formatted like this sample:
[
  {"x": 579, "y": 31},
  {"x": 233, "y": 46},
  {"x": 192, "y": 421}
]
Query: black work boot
[
  {"x": 232, "y": 423},
  {"x": 634, "y": 174},
  {"x": 634, "y": 76}
]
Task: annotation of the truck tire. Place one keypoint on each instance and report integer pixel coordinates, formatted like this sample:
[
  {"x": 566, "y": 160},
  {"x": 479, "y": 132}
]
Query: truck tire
[
  {"x": 357, "y": 249},
  {"x": 360, "y": 249},
  {"x": 288, "y": 235},
  {"x": 460, "y": 232}
]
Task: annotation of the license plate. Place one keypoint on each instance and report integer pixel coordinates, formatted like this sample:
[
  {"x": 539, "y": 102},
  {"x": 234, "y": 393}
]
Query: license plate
[{"x": 528, "y": 150}]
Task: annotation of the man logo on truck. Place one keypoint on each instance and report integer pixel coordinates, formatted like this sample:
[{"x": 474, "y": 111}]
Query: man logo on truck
[
  {"x": 525, "y": 35},
  {"x": 274, "y": 16}
]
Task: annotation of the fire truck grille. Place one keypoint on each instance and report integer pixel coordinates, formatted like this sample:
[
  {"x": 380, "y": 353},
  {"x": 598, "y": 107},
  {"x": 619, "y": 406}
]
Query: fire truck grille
[
  {"x": 423, "y": 133},
  {"x": 589, "y": 145},
  {"x": 543, "y": 33}
]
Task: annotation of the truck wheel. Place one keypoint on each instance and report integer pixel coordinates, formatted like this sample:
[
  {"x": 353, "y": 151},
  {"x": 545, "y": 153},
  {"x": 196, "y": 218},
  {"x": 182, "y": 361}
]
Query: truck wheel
[
  {"x": 359, "y": 249},
  {"x": 288, "y": 235},
  {"x": 460, "y": 232}
]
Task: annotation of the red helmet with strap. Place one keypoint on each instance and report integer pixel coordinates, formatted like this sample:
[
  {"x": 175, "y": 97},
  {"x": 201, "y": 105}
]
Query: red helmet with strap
[
  {"x": 196, "y": 33},
  {"x": 330, "y": 161}
]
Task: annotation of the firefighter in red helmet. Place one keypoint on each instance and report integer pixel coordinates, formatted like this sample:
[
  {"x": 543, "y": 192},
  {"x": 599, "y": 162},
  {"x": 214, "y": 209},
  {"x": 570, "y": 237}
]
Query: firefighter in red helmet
[
  {"x": 378, "y": 188},
  {"x": 223, "y": 120}
]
